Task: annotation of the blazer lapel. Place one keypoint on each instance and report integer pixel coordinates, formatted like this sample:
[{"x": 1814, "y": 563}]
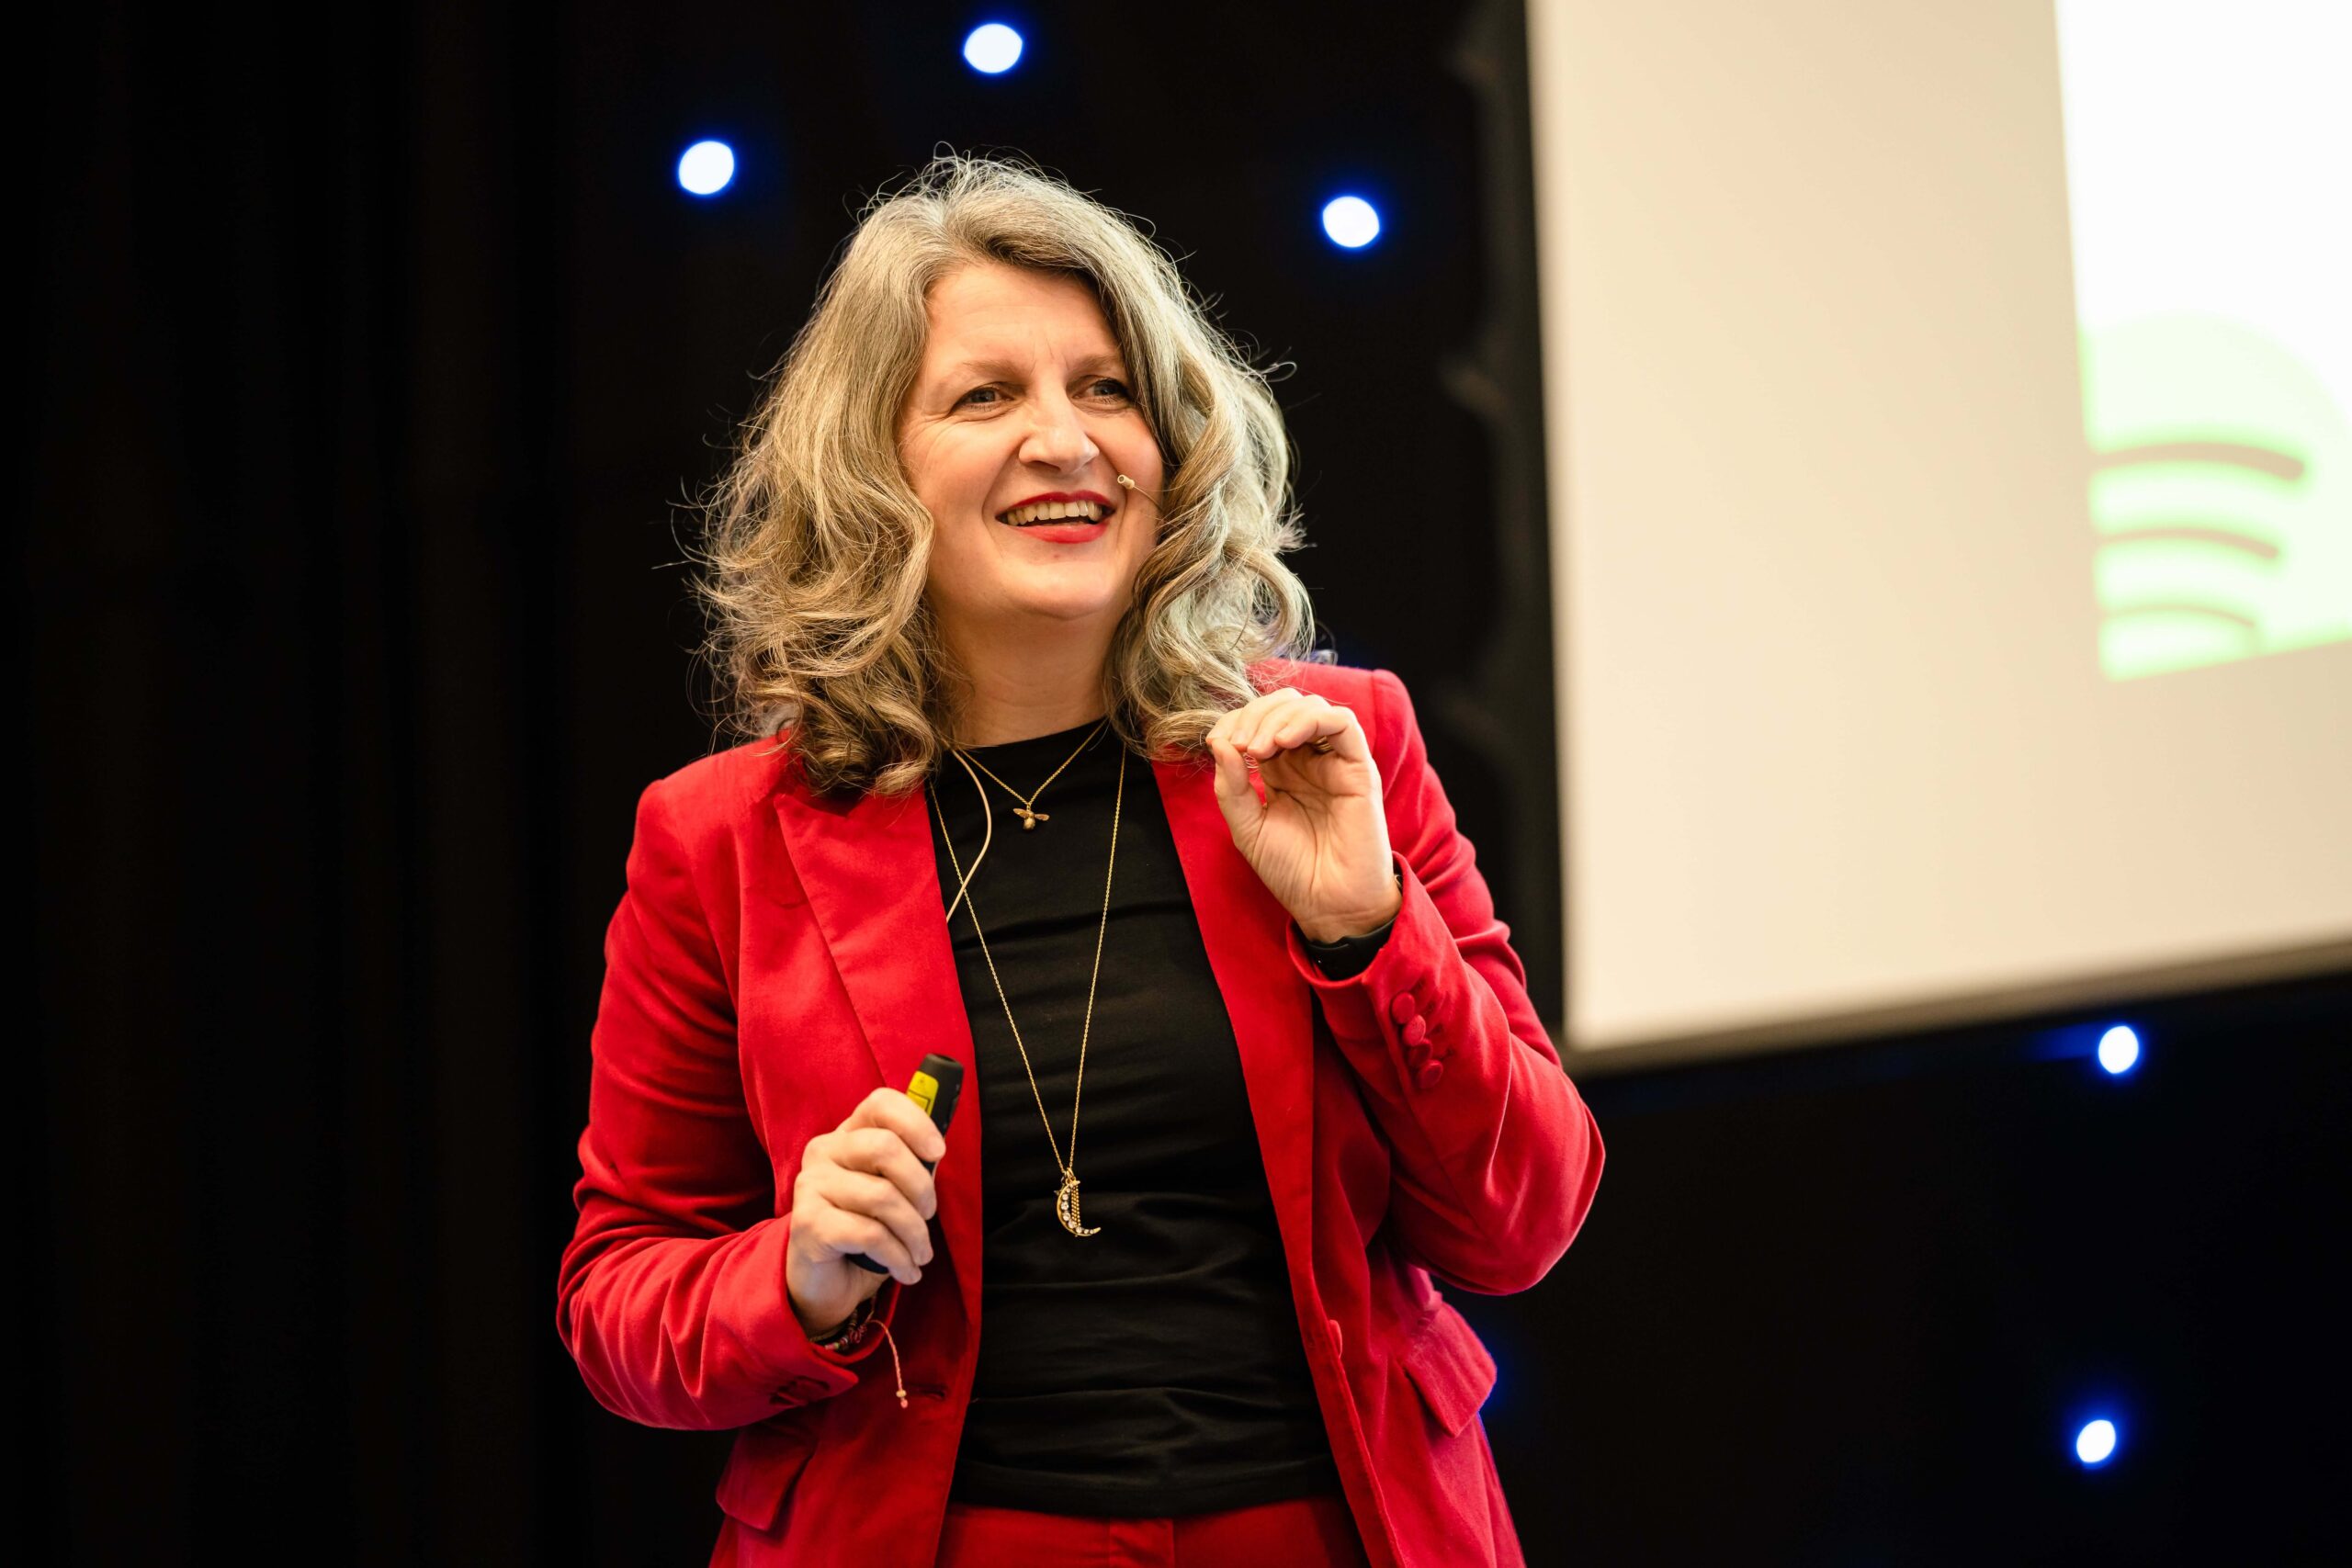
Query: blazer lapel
[
  {"x": 1272, "y": 1008},
  {"x": 873, "y": 888}
]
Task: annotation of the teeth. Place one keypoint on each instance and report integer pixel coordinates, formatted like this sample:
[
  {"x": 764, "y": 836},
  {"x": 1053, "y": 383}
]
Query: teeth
[{"x": 1050, "y": 510}]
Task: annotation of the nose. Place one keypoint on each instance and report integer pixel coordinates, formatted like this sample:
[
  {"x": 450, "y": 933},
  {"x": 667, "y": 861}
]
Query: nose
[{"x": 1058, "y": 438}]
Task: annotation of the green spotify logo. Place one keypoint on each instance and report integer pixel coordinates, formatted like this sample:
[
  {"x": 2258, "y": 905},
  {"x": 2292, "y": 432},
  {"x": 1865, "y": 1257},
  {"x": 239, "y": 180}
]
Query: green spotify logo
[{"x": 2222, "y": 495}]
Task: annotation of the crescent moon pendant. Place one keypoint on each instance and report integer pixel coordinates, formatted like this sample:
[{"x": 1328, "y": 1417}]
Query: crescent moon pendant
[{"x": 1065, "y": 1208}]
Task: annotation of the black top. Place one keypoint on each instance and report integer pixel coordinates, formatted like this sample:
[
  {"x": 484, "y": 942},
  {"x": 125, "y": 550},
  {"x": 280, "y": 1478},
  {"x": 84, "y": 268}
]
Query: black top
[{"x": 1155, "y": 1368}]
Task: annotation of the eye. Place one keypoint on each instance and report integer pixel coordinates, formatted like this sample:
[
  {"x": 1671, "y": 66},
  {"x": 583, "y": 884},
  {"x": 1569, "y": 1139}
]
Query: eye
[
  {"x": 970, "y": 395},
  {"x": 1118, "y": 388}
]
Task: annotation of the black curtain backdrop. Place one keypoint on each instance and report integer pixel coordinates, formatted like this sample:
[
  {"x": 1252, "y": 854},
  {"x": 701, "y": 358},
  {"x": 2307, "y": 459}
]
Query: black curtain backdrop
[{"x": 375, "y": 350}]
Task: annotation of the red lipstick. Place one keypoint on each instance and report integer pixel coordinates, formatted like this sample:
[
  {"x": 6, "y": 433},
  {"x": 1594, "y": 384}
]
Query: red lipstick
[
  {"x": 1068, "y": 531},
  {"x": 1063, "y": 531}
]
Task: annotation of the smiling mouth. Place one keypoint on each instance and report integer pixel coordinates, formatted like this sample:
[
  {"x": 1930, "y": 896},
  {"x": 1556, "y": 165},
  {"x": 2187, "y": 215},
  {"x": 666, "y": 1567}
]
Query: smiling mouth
[{"x": 1083, "y": 514}]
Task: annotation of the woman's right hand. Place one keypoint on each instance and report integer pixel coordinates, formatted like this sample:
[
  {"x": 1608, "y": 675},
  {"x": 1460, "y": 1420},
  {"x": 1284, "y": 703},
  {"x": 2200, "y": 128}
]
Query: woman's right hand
[{"x": 862, "y": 1187}]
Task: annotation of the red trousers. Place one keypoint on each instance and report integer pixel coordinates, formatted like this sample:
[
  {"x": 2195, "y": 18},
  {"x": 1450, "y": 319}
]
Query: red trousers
[{"x": 1309, "y": 1532}]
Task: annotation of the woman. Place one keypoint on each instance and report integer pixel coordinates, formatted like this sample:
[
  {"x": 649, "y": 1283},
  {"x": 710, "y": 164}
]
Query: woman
[{"x": 996, "y": 591}]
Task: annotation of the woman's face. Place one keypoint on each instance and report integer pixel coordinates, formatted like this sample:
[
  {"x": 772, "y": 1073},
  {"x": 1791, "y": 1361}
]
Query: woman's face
[{"x": 1023, "y": 394}]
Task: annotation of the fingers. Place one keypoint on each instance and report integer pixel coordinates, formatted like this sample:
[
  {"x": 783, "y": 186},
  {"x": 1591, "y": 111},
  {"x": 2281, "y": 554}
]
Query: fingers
[
  {"x": 867, "y": 1213},
  {"x": 1239, "y": 728},
  {"x": 890, "y": 1109},
  {"x": 1232, "y": 769},
  {"x": 1263, "y": 715},
  {"x": 840, "y": 1232},
  {"x": 1297, "y": 724},
  {"x": 879, "y": 1152},
  {"x": 863, "y": 1187},
  {"x": 1280, "y": 720},
  {"x": 1293, "y": 723}
]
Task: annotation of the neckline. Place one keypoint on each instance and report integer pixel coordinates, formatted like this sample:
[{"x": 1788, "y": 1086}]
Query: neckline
[{"x": 1070, "y": 737}]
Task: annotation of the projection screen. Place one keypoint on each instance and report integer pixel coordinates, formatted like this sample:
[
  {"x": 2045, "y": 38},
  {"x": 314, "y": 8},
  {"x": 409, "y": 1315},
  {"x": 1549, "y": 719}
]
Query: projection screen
[{"x": 1951, "y": 477}]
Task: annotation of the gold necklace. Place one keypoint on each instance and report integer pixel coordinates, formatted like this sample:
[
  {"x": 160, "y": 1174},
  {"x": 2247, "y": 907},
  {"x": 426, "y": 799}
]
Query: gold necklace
[
  {"x": 1066, "y": 1196},
  {"x": 1029, "y": 818}
]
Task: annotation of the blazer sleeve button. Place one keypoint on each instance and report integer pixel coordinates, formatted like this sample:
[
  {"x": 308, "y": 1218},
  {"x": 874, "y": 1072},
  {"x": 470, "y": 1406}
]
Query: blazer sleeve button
[
  {"x": 1427, "y": 1075},
  {"x": 1400, "y": 1007},
  {"x": 1417, "y": 1030}
]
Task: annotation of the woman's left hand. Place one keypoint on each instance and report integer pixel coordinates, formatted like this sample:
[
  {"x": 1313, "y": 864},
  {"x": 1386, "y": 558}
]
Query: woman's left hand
[{"x": 1319, "y": 839}]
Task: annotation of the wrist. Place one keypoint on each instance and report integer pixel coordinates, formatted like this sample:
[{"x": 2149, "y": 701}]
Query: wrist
[
  {"x": 1331, "y": 930},
  {"x": 849, "y": 1331},
  {"x": 819, "y": 1330}
]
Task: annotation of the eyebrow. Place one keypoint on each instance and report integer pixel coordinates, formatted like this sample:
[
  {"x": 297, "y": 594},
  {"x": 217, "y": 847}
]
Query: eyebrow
[{"x": 1096, "y": 361}]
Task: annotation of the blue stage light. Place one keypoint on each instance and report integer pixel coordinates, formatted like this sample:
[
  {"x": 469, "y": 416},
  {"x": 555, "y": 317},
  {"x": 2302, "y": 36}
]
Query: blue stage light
[
  {"x": 2118, "y": 1050},
  {"x": 993, "y": 48},
  {"x": 706, "y": 168},
  {"x": 1351, "y": 221},
  {"x": 2095, "y": 1444}
]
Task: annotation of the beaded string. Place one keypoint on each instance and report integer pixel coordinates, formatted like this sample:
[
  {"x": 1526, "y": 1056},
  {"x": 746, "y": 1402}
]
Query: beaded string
[
  {"x": 856, "y": 1331},
  {"x": 897, "y": 1370}
]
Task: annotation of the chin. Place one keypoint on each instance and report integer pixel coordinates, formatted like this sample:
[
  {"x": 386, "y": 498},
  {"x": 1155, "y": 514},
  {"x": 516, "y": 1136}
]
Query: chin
[
  {"x": 1090, "y": 608},
  {"x": 1076, "y": 596}
]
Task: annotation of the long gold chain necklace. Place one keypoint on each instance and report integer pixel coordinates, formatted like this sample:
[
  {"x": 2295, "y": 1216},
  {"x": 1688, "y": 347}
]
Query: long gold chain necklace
[
  {"x": 1029, "y": 816},
  {"x": 1065, "y": 1208}
]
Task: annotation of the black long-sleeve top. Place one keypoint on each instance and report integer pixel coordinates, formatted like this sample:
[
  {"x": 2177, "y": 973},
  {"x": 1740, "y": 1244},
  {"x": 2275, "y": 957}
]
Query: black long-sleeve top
[{"x": 1154, "y": 1368}]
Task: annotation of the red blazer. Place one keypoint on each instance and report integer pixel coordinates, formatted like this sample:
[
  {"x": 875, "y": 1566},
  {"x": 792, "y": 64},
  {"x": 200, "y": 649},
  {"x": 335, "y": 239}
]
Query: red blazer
[{"x": 777, "y": 955}]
